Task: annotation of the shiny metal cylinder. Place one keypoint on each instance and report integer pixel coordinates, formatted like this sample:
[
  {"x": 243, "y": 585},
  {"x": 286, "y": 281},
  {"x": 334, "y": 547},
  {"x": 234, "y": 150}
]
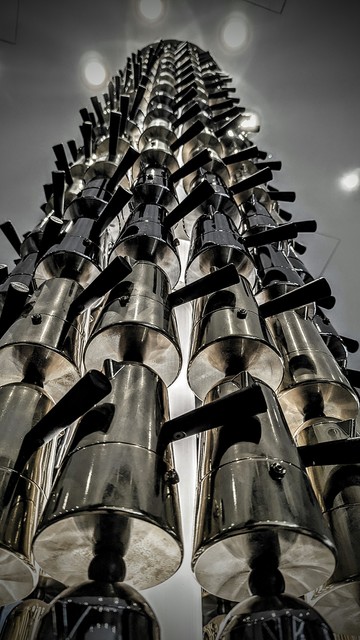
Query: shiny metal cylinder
[
  {"x": 22, "y": 494},
  {"x": 42, "y": 346},
  {"x": 145, "y": 237},
  {"x": 275, "y": 617},
  {"x": 76, "y": 255},
  {"x": 154, "y": 186},
  {"x": 313, "y": 384},
  {"x": 23, "y": 621},
  {"x": 215, "y": 166},
  {"x": 100, "y": 610},
  {"x": 155, "y": 152},
  {"x": 138, "y": 324},
  {"x": 114, "y": 481},
  {"x": 255, "y": 500},
  {"x": 215, "y": 242},
  {"x": 229, "y": 336},
  {"x": 338, "y": 490}
]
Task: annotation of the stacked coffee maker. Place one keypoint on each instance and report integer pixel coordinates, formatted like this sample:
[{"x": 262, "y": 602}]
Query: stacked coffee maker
[{"x": 90, "y": 344}]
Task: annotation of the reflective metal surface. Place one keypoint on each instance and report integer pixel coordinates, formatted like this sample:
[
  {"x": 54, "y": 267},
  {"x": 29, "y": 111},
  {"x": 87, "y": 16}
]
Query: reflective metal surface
[
  {"x": 23, "y": 620},
  {"x": 254, "y": 500},
  {"x": 215, "y": 242},
  {"x": 274, "y": 617},
  {"x": 230, "y": 336},
  {"x": 42, "y": 346},
  {"x": 313, "y": 384},
  {"x": 138, "y": 324},
  {"x": 111, "y": 611},
  {"x": 112, "y": 480},
  {"x": 22, "y": 495},
  {"x": 154, "y": 186},
  {"x": 145, "y": 237}
]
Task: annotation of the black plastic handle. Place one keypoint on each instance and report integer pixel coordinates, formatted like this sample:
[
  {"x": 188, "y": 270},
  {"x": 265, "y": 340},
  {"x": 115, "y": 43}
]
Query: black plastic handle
[
  {"x": 194, "y": 199},
  {"x": 114, "y": 128},
  {"x": 86, "y": 129},
  {"x": 58, "y": 181},
  {"x": 246, "y": 403},
  {"x": 116, "y": 271},
  {"x": 189, "y": 95},
  {"x": 227, "y": 104},
  {"x": 11, "y": 234},
  {"x": 84, "y": 114},
  {"x": 299, "y": 248},
  {"x": 354, "y": 377},
  {"x": 245, "y": 154},
  {"x": 62, "y": 162},
  {"x": 127, "y": 161},
  {"x": 73, "y": 149},
  {"x": 98, "y": 109},
  {"x": 188, "y": 135},
  {"x": 15, "y": 300},
  {"x": 259, "y": 177},
  {"x": 308, "y": 293},
  {"x": 283, "y": 196},
  {"x": 185, "y": 80},
  {"x": 198, "y": 160},
  {"x": 4, "y": 272},
  {"x": 306, "y": 226},
  {"x": 275, "y": 234},
  {"x": 138, "y": 97},
  {"x": 124, "y": 108},
  {"x": 219, "y": 279},
  {"x": 351, "y": 345},
  {"x": 275, "y": 165},
  {"x": 118, "y": 201},
  {"x": 193, "y": 111},
  {"x": 334, "y": 452},
  {"x": 285, "y": 215}
]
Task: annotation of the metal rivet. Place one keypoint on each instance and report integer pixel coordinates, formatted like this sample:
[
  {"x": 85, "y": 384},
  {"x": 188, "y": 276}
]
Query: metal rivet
[
  {"x": 179, "y": 435},
  {"x": 277, "y": 471},
  {"x": 171, "y": 476},
  {"x": 36, "y": 318},
  {"x": 241, "y": 313}
]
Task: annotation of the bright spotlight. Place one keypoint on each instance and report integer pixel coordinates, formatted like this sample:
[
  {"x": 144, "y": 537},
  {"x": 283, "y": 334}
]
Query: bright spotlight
[
  {"x": 234, "y": 33},
  {"x": 250, "y": 122},
  {"x": 350, "y": 181},
  {"x": 93, "y": 70},
  {"x": 151, "y": 10}
]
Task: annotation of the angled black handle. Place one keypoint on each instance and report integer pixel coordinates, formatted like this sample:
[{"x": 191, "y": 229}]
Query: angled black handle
[
  {"x": 198, "y": 160},
  {"x": 86, "y": 129},
  {"x": 118, "y": 201},
  {"x": 285, "y": 215},
  {"x": 193, "y": 111},
  {"x": 246, "y": 403},
  {"x": 73, "y": 149},
  {"x": 62, "y": 162},
  {"x": 351, "y": 345},
  {"x": 127, "y": 161},
  {"x": 228, "y": 125},
  {"x": 308, "y": 293},
  {"x": 50, "y": 234},
  {"x": 58, "y": 181},
  {"x": 245, "y": 154},
  {"x": 259, "y": 177},
  {"x": 138, "y": 97},
  {"x": 98, "y": 109},
  {"x": 275, "y": 234},
  {"x": 274, "y": 165},
  {"x": 11, "y": 234},
  {"x": 186, "y": 79},
  {"x": 116, "y": 271},
  {"x": 124, "y": 109},
  {"x": 227, "y": 104},
  {"x": 354, "y": 377},
  {"x": 194, "y": 199},
  {"x": 188, "y": 135},
  {"x": 284, "y": 196},
  {"x": 299, "y": 248},
  {"x": 114, "y": 128},
  {"x": 189, "y": 95},
  {"x": 328, "y": 302},
  {"x": 306, "y": 226},
  {"x": 219, "y": 279},
  {"x": 230, "y": 113},
  {"x": 334, "y": 452}
]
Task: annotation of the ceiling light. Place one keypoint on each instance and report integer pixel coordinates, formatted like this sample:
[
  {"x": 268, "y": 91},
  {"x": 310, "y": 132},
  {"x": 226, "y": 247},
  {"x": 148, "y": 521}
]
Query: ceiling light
[
  {"x": 350, "y": 181},
  {"x": 234, "y": 33},
  {"x": 94, "y": 72},
  {"x": 250, "y": 122},
  {"x": 151, "y": 10}
]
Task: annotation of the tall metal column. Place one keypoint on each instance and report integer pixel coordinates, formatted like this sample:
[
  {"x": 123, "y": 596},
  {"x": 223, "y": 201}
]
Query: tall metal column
[{"x": 90, "y": 344}]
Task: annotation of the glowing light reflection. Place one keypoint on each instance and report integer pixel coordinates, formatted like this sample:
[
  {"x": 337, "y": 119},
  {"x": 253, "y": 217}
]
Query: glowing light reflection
[
  {"x": 151, "y": 10},
  {"x": 234, "y": 33},
  {"x": 350, "y": 181}
]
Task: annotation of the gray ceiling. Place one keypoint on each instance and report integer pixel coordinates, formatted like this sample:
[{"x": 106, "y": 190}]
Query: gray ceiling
[{"x": 298, "y": 71}]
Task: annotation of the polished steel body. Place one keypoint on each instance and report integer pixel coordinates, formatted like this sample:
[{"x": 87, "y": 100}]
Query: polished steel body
[
  {"x": 215, "y": 242},
  {"x": 22, "y": 493},
  {"x": 230, "y": 336},
  {"x": 124, "y": 492},
  {"x": 42, "y": 345},
  {"x": 245, "y": 511},
  {"x": 137, "y": 323},
  {"x": 313, "y": 383}
]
